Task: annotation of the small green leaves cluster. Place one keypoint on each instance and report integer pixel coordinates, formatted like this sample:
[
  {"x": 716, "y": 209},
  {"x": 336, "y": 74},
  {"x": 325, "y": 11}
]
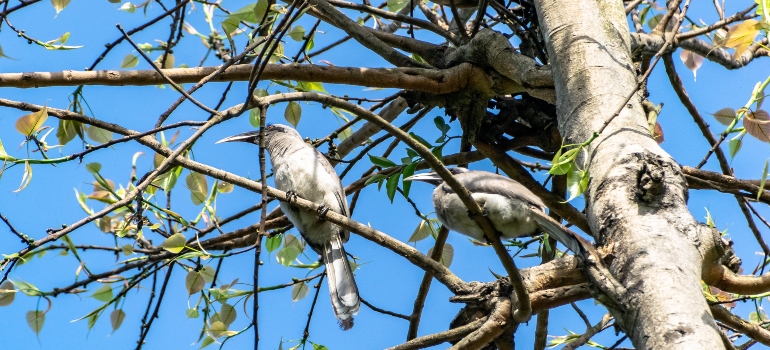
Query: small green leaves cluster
[
  {"x": 565, "y": 163},
  {"x": 408, "y": 163}
]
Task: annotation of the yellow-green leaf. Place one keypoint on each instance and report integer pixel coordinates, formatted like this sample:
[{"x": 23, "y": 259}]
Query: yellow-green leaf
[
  {"x": 199, "y": 189},
  {"x": 7, "y": 293},
  {"x": 194, "y": 282},
  {"x": 130, "y": 61},
  {"x": 297, "y": 33},
  {"x": 127, "y": 249},
  {"x": 104, "y": 293},
  {"x": 28, "y": 124},
  {"x": 227, "y": 314},
  {"x": 99, "y": 135},
  {"x": 225, "y": 187},
  {"x": 35, "y": 320},
  {"x": 299, "y": 291},
  {"x": 293, "y": 113},
  {"x": 175, "y": 243},
  {"x": 67, "y": 131},
  {"x": 59, "y": 5}
]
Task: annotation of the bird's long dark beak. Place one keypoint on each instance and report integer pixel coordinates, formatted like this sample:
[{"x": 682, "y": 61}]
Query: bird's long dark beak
[
  {"x": 250, "y": 137},
  {"x": 429, "y": 177}
]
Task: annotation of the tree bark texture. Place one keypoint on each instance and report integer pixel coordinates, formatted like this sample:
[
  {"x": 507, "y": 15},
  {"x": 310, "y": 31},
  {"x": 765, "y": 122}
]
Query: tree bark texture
[{"x": 636, "y": 197}]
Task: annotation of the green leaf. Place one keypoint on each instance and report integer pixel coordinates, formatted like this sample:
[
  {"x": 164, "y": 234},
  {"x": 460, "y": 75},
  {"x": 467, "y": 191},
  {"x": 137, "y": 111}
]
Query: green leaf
[
  {"x": 227, "y": 314},
  {"x": 127, "y": 249},
  {"x": 199, "y": 189},
  {"x": 407, "y": 185},
  {"x": 254, "y": 117},
  {"x": 130, "y": 61},
  {"x": 58, "y": 43},
  {"x": 7, "y": 293},
  {"x": 758, "y": 317},
  {"x": 208, "y": 273},
  {"x": 249, "y": 12},
  {"x": 441, "y": 126},
  {"x": 35, "y": 320},
  {"x": 94, "y": 167},
  {"x": 375, "y": 178},
  {"x": 217, "y": 328},
  {"x": 103, "y": 293},
  {"x": 116, "y": 318},
  {"x": 762, "y": 180},
  {"x": 99, "y": 135},
  {"x": 28, "y": 288},
  {"x": 230, "y": 24},
  {"x": 273, "y": 243},
  {"x": 192, "y": 313},
  {"x": 194, "y": 282},
  {"x": 59, "y": 5},
  {"x": 92, "y": 319},
  {"x": 297, "y": 33},
  {"x": 735, "y": 146},
  {"x": 318, "y": 346},
  {"x": 175, "y": 243},
  {"x": 225, "y": 187},
  {"x": 392, "y": 185},
  {"x": 559, "y": 166},
  {"x": 128, "y": 7},
  {"x": 293, "y": 113},
  {"x": 206, "y": 342},
  {"x": 67, "y": 131},
  {"x": 397, "y": 5},
  {"x": 447, "y": 254},
  {"x": 420, "y": 140},
  {"x": 287, "y": 255},
  {"x": 381, "y": 161},
  {"x": 421, "y": 232},
  {"x": 577, "y": 182},
  {"x": 30, "y": 123},
  {"x": 299, "y": 291}
]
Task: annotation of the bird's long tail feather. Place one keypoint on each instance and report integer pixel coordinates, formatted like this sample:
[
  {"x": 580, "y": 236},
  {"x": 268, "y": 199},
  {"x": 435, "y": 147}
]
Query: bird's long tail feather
[
  {"x": 562, "y": 234},
  {"x": 342, "y": 286}
]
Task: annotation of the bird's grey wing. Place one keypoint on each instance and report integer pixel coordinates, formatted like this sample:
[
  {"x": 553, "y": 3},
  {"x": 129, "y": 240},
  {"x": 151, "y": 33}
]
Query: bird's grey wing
[
  {"x": 339, "y": 193},
  {"x": 484, "y": 182}
]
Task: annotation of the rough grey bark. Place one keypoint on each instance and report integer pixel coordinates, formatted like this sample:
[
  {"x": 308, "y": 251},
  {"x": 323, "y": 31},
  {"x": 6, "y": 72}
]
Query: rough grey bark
[{"x": 636, "y": 198}]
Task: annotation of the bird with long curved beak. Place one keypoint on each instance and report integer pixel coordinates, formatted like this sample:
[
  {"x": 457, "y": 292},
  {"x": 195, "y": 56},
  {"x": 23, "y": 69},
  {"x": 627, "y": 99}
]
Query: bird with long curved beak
[
  {"x": 301, "y": 170},
  {"x": 513, "y": 210}
]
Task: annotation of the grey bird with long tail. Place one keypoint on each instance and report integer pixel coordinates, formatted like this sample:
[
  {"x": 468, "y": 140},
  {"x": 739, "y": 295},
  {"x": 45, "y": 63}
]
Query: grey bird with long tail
[
  {"x": 301, "y": 170},
  {"x": 513, "y": 209}
]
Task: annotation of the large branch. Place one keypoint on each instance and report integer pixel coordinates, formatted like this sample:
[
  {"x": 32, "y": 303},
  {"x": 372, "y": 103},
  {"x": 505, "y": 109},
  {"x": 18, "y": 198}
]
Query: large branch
[
  {"x": 636, "y": 197},
  {"x": 437, "y": 81}
]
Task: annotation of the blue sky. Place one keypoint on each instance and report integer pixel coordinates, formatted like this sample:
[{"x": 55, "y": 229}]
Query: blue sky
[{"x": 385, "y": 280}]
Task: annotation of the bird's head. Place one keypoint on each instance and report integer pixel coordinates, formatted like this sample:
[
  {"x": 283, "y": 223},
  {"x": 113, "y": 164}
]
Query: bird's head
[
  {"x": 271, "y": 132},
  {"x": 432, "y": 177}
]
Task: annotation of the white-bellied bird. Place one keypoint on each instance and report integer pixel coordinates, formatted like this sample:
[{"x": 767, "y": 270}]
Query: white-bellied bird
[{"x": 299, "y": 169}]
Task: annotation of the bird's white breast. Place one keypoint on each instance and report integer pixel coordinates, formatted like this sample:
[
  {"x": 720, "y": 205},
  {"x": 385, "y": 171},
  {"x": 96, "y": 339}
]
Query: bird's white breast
[{"x": 509, "y": 217}]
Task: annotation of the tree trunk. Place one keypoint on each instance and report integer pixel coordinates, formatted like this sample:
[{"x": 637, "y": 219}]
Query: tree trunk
[{"x": 636, "y": 197}]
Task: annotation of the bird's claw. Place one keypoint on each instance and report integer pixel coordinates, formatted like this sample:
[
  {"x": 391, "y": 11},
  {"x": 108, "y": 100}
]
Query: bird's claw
[
  {"x": 322, "y": 210},
  {"x": 291, "y": 196}
]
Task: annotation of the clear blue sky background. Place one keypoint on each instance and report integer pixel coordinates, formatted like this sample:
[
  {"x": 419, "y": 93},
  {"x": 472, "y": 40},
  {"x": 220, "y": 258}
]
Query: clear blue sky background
[{"x": 386, "y": 280}]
